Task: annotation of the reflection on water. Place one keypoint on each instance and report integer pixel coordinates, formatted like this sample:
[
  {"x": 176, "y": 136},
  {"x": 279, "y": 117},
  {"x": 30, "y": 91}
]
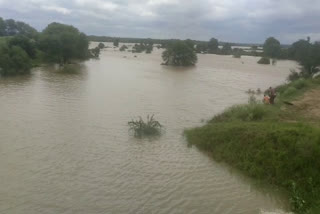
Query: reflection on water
[{"x": 65, "y": 146}]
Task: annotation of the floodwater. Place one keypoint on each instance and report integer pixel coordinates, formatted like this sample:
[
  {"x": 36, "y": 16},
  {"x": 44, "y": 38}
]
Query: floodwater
[{"x": 65, "y": 146}]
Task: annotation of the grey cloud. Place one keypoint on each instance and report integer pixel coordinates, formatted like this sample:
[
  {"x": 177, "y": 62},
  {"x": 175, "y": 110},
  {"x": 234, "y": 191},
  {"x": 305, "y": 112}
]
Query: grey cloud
[{"x": 227, "y": 20}]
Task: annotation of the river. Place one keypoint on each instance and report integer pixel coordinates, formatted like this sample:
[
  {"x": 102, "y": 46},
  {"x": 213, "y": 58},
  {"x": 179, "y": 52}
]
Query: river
[{"x": 65, "y": 146}]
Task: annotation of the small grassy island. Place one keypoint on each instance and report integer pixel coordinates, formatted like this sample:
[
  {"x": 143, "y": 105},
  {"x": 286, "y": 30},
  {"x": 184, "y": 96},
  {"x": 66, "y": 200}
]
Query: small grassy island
[{"x": 279, "y": 144}]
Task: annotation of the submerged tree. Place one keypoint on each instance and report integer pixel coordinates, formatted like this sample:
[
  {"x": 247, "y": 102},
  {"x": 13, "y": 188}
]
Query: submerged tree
[
  {"x": 101, "y": 45},
  {"x": 179, "y": 53},
  {"x": 27, "y": 44},
  {"x": 13, "y": 60},
  {"x": 123, "y": 48},
  {"x": 116, "y": 42},
  {"x": 272, "y": 48},
  {"x": 226, "y": 49},
  {"x": 62, "y": 43},
  {"x": 213, "y": 45}
]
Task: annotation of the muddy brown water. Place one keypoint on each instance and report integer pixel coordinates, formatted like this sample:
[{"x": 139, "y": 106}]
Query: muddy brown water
[{"x": 65, "y": 146}]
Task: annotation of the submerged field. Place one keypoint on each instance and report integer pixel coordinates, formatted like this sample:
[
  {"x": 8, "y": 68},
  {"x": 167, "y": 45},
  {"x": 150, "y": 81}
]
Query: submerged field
[
  {"x": 66, "y": 147},
  {"x": 278, "y": 144}
]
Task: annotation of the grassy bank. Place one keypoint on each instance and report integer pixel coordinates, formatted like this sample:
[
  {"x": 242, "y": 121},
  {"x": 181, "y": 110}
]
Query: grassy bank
[{"x": 277, "y": 144}]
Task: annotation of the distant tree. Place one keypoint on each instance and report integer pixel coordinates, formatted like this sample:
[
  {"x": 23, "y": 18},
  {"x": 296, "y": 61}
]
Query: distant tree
[
  {"x": 2, "y": 27},
  {"x": 101, "y": 45},
  {"x": 10, "y": 27},
  {"x": 202, "y": 47},
  {"x": 13, "y": 61},
  {"x": 272, "y": 47},
  {"x": 179, "y": 53},
  {"x": 213, "y": 45},
  {"x": 116, "y": 42},
  {"x": 26, "y": 30},
  {"x": 308, "y": 56},
  {"x": 237, "y": 52},
  {"x": 63, "y": 43},
  {"x": 149, "y": 48},
  {"x": 254, "y": 47},
  {"x": 226, "y": 49},
  {"x": 190, "y": 43}
]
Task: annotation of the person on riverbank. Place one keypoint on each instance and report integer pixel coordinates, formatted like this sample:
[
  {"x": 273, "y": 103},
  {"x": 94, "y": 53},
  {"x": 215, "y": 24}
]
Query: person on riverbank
[
  {"x": 266, "y": 99},
  {"x": 272, "y": 95}
]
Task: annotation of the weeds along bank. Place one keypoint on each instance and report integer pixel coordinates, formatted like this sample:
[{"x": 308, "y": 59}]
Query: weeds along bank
[{"x": 276, "y": 144}]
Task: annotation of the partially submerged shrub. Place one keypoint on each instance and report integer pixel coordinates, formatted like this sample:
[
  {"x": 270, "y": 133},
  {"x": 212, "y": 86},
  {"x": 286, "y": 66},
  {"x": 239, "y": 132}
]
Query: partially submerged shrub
[
  {"x": 141, "y": 128},
  {"x": 264, "y": 61}
]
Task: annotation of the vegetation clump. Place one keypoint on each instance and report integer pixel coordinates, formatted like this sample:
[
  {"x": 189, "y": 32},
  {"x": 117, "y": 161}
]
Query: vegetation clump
[
  {"x": 63, "y": 43},
  {"x": 143, "y": 47},
  {"x": 264, "y": 61},
  {"x": 13, "y": 61},
  {"x": 123, "y": 48},
  {"x": 179, "y": 53},
  {"x": 150, "y": 127}
]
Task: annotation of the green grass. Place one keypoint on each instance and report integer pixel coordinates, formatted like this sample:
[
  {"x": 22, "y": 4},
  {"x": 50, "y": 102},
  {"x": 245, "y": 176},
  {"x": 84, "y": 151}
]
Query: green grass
[{"x": 259, "y": 140}]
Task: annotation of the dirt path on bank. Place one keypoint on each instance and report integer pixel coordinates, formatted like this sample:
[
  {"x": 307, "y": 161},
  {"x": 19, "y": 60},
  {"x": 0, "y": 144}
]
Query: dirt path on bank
[{"x": 309, "y": 104}]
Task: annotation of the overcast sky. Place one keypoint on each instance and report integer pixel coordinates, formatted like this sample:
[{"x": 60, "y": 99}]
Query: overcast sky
[{"x": 227, "y": 20}]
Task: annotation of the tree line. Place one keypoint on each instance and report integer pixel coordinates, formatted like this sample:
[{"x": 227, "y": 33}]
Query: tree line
[{"x": 22, "y": 47}]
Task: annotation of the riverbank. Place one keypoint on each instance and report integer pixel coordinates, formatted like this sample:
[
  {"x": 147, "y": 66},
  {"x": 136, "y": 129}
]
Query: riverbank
[{"x": 277, "y": 144}]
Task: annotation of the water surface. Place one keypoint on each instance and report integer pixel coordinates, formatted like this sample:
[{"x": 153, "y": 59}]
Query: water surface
[{"x": 65, "y": 146}]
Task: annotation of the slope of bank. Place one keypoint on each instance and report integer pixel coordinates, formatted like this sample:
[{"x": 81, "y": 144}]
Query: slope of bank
[{"x": 278, "y": 144}]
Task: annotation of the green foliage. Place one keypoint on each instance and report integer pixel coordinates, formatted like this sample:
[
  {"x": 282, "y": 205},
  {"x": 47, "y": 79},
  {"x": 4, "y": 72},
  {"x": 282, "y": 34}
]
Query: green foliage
[
  {"x": 272, "y": 47},
  {"x": 294, "y": 75},
  {"x": 123, "y": 48},
  {"x": 2, "y": 27},
  {"x": 11, "y": 27},
  {"x": 264, "y": 61},
  {"x": 101, "y": 45},
  {"x": 213, "y": 45},
  {"x": 141, "y": 128},
  {"x": 202, "y": 47},
  {"x": 13, "y": 61},
  {"x": 289, "y": 92},
  {"x": 190, "y": 43},
  {"x": 246, "y": 112},
  {"x": 116, "y": 42},
  {"x": 95, "y": 52},
  {"x": 63, "y": 43},
  {"x": 139, "y": 48},
  {"x": 308, "y": 55},
  {"x": 179, "y": 54},
  {"x": 226, "y": 49},
  {"x": 27, "y": 44}
]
